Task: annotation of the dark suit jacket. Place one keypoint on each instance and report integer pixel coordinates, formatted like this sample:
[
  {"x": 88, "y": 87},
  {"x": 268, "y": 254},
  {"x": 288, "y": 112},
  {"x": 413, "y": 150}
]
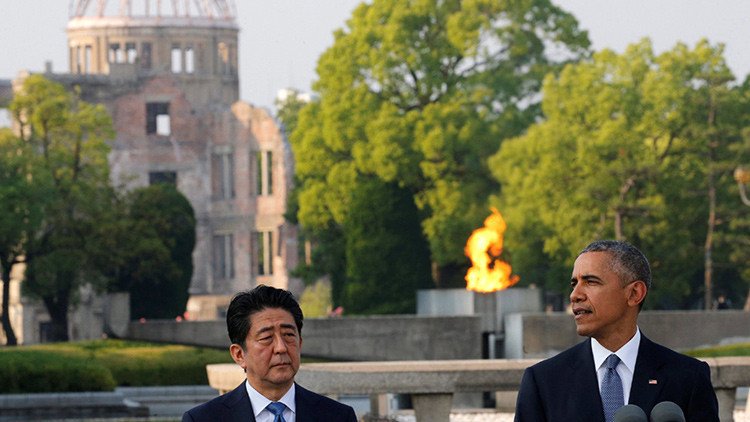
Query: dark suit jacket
[
  {"x": 235, "y": 407},
  {"x": 565, "y": 387}
]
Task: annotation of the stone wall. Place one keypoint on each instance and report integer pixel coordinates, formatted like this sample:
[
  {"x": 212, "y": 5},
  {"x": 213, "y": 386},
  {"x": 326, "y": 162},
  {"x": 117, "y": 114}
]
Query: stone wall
[
  {"x": 411, "y": 337},
  {"x": 395, "y": 337},
  {"x": 543, "y": 335}
]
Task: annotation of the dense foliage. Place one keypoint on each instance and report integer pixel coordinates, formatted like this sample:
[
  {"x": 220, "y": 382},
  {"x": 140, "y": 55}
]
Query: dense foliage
[
  {"x": 62, "y": 148},
  {"x": 387, "y": 258},
  {"x": 36, "y": 371},
  {"x": 418, "y": 94},
  {"x": 151, "y": 251},
  {"x": 101, "y": 365},
  {"x": 63, "y": 219},
  {"x": 637, "y": 146},
  {"x": 633, "y": 146}
]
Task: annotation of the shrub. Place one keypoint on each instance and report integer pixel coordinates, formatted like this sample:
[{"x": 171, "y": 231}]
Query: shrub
[
  {"x": 101, "y": 365},
  {"x": 36, "y": 371}
]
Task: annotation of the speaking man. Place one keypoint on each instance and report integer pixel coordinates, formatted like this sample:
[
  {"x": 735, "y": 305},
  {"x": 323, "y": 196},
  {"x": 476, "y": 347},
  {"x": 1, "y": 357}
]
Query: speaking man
[
  {"x": 617, "y": 365},
  {"x": 265, "y": 327}
]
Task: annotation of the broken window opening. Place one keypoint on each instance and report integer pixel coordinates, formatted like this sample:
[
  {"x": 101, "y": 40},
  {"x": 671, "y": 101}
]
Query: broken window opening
[
  {"x": 264, "y": 173},
  {"x": 223, "y": 256},
  {"x": 189, "y": 59},
  {"x": 87, "y": 60},
  {"x": 157, "y": 119},
  {"x": 146, "y": 55},
  {"x": 223, "y": 52},
  {"x": 264, "y": 252},
  {"x": 222, "y": 176},
  {"x": 131, "y": 53},
  {"x": 162, "y": 177},
  {"x": 176, "y": 58}
]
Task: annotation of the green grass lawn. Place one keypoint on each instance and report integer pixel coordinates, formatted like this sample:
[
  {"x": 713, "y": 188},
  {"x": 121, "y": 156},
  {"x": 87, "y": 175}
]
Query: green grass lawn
[
  {"x": 100, "y": 365},
  {"x": 739, "y": 349}
]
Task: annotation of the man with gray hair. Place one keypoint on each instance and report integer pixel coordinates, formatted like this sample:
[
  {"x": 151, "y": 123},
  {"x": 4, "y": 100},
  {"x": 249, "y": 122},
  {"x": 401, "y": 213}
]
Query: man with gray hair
[{"x": 616, "y": 365}]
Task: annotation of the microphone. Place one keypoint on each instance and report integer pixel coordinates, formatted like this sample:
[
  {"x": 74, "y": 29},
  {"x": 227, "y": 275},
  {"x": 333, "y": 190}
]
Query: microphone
[
  {"x": 667, "y": 411},
  {"x": 630, "y": 413}
]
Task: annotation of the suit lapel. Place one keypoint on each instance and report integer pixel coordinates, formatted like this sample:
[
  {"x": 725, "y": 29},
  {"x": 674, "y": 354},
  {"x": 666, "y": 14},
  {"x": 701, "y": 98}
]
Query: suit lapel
[
  {"x": 306, "y": 403},
  {"x": 237, "y": 405},
  {"x": 647, "y": 382}
]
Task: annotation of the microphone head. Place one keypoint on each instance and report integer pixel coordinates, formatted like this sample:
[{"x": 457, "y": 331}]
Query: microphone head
[
  {"x": 667, "y": 411},
  {"x": 630, "y": 413}
]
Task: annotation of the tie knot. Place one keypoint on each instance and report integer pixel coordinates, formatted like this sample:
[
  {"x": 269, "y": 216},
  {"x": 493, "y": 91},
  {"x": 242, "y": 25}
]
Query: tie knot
[
  {"x": 276, "y": 408},
  {"x": 612, "y": 361}
]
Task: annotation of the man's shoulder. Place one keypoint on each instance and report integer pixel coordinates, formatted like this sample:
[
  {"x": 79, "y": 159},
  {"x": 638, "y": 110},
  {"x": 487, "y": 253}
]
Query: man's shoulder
[
  {"x": 653, "y": 350},
  {"x": 320, "y": 402},
  {"x": 566, "y": 357},
  {"x": 211, "y": 409}
]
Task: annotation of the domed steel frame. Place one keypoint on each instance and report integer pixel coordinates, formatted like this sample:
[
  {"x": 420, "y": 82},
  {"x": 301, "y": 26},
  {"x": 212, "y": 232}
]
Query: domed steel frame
[{"x": 214, "y": 9}]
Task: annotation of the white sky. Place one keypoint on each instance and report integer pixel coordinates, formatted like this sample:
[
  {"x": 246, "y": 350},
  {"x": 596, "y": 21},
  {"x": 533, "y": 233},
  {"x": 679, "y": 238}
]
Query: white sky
[{"x": 280, "y": 40}]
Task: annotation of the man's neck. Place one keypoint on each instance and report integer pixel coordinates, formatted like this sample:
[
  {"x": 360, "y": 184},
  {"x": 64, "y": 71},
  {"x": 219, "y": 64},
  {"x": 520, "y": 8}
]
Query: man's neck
[
  {"x": 617, "y": 339},
  {"x": 272, "y": 392}
]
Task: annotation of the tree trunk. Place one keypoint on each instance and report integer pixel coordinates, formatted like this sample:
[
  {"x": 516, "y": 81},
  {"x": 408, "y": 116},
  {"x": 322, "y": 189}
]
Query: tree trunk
[
  {"x": 10, "y": 335},
  {"x": 618, "y": 225},
  {"x": 709, "y": 245},
  {"x": 708, "y": 269},
  {"x": 57, "y": 307},
  {"x": 620, "y": 211}
]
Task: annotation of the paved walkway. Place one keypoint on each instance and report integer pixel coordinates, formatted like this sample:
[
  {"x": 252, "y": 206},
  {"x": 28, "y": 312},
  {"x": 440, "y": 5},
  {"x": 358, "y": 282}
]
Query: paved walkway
[{"x": 739, "y": 416}]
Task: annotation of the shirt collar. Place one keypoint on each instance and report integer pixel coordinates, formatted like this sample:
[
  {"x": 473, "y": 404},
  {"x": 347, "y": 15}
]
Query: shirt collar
[
  {"x": 259, "y": 401},
  {"x": 628, "y": 353}
]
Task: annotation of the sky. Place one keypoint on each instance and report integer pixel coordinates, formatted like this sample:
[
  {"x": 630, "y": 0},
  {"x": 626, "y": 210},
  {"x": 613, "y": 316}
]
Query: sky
[{"x": 281, "y": 40}]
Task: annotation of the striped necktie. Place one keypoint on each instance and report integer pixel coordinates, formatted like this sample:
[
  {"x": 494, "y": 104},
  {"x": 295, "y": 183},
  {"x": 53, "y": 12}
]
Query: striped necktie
[{"x": 278, "y": 411}]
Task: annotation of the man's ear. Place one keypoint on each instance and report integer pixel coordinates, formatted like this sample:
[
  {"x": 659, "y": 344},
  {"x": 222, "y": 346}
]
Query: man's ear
[
  {"x": 238, "y": 354},
  {"x": 637, "y": 293}
]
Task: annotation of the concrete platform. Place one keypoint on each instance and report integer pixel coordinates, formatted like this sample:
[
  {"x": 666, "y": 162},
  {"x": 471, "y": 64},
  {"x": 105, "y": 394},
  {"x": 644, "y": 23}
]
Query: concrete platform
[
  {"x": 124, "y": 404},
  {"x": 432, "y": 384}
]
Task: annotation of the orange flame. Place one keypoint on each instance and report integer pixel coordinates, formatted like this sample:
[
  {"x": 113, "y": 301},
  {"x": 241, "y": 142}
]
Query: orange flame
[{"x": 488, "y": 272}]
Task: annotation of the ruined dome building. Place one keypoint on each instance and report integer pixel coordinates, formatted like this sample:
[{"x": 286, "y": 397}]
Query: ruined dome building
[{"x": 167, "y": 72}]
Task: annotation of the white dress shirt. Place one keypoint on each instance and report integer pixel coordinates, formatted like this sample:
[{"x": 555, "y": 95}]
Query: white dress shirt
[
  {"x": 260, "y": 402},
  {"x": 628, "y": 354}
]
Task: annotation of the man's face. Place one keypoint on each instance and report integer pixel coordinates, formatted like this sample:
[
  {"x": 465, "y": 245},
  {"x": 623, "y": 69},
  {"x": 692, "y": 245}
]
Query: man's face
[
  {"x": 602, "y": 307},
  {"x": 271, "y": 353}
]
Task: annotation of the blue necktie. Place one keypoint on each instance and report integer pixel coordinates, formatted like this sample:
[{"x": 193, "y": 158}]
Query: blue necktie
[
  {"x": 278, "y": 409},
  {"x": 612, "y": 397}
]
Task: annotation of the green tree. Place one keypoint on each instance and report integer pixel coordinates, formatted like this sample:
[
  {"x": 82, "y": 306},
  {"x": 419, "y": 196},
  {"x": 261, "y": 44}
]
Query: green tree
[
  {"x": 67, "y": 142},
  {"x": 22, "y": 200},
  {"x": 626, "y": 148},
  {"x": 288, "y": 108},
  {"x": 716, "y": 116},
  {"x": 387, "y": 257},
  {"x": 316, "y": 300},
  {"x": 150, "y": 249},
  {"x": 420, "y": 93}
]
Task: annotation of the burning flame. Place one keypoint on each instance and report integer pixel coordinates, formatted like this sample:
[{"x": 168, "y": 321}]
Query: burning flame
[{"x": 488, "y": 272}]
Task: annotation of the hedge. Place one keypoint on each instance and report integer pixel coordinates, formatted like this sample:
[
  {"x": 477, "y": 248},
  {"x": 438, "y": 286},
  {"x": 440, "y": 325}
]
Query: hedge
[
  {"x": 36, "y": 371},
  {"x": 101, "y": 365}
]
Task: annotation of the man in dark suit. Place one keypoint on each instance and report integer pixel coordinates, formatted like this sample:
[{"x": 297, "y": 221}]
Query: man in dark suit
[
  {"x": 265, "y": 326},
  {"x": 617, "y": 364}
]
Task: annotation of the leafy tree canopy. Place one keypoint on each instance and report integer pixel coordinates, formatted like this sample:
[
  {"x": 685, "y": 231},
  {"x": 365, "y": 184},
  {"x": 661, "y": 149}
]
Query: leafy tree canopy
[
  {"x": 64, "y": 142},
  {"x": 419, "y": 93},
  {"x": 624, "y": 153}
]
